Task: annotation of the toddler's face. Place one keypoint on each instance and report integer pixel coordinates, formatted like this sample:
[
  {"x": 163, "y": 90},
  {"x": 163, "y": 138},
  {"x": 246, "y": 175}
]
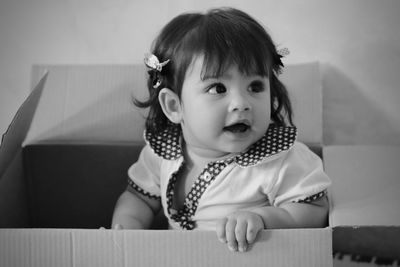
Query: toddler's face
[{"x": 225, "y": 114}]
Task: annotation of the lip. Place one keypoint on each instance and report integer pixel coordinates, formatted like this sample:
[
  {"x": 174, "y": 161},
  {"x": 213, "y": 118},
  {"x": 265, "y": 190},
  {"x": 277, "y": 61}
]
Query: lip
[
  {"x": 244, "y": 121},
  {"x": 239, "y": 128}
]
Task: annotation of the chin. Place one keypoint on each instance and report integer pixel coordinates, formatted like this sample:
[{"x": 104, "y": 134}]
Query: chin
[{"x": 236, "y": 148}]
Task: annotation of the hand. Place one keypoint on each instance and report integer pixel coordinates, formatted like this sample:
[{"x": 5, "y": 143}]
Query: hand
[
  {"x": 116, "y": 227},
  {"x": 239, "y": 229}
]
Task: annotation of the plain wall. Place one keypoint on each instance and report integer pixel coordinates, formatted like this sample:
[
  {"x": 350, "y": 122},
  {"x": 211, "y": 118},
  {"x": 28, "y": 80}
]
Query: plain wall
[{"x": 357, "y": 43}]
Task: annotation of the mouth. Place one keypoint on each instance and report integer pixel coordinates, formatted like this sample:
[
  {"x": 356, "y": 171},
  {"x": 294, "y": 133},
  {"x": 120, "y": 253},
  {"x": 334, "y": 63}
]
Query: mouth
[{"x": 237, "y": 127}]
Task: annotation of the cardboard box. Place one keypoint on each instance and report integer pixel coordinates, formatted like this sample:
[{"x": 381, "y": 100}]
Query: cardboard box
[
  {"x": 69, "y": 247},
  {"x": 63, "y": 164}
]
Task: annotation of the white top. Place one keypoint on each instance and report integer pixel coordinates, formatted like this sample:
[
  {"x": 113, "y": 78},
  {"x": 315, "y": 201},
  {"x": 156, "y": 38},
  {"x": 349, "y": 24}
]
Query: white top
[{"x": 274, "y": 170}]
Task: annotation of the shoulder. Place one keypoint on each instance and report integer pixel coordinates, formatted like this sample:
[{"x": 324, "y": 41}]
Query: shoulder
[
  {"x": 147, "y": 161},
  {"x": 300, "y": 152},
  {"x": 300, "y": 177}
]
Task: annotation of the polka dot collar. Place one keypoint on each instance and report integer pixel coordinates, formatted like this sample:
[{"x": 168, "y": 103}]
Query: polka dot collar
[{"x": 167, "y": 144}]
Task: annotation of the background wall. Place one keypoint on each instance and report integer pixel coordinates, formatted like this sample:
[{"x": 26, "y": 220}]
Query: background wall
[{"x": 356, "y": 41}]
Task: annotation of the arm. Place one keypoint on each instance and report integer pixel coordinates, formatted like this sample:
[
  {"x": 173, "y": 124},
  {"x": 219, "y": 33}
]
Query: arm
[
  {"x": 300, "y": 176},
  {"x": 240, "y": 229},
  {"x": 134, "y": 211},
  {"x": 295, "y": 215}
]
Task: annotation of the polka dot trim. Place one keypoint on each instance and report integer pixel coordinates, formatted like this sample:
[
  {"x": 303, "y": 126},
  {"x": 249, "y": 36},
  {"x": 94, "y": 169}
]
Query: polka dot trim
[
  {"x": 277, "y": 139},
  {"x": 313, "y": 197},
  {"x": 141, "y": 191},
  {"x": 185, "y": 214},
  {"x": 206, "y": 177},
  {"x": 181, "y": 216},
  {"x": 167, "y": 143}
]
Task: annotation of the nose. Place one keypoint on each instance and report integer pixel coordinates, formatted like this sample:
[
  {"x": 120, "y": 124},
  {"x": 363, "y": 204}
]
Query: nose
[{"x": 239, "y": 102}]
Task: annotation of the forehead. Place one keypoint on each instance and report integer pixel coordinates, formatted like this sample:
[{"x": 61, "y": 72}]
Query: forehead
[{"x": 195, "y": 68}]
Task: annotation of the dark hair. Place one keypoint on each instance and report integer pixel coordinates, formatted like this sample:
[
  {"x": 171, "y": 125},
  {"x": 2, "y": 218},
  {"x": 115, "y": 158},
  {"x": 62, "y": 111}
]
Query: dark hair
[{"x": 223, "y": 36}]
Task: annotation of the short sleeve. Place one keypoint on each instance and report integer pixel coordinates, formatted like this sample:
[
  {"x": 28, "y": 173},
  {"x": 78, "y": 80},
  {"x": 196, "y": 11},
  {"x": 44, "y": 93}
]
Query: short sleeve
[
  {"x": 144, "y": 175},
  {"x": 301, "y": 177}
]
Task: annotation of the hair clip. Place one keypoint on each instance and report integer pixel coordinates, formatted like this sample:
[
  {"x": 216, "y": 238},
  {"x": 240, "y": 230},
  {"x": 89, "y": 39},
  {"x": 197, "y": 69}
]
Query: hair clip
[
  {"x": 157, "y": 84},
  {"x": 152, "y": 62},
  {"x": 283, "y": 52}
]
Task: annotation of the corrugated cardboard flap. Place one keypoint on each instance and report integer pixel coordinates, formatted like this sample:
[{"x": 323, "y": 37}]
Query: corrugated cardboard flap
[
  {"x": 13, "y": 191},
  {"x": 45, "y": 247},
  {"x": 91, "y": 103}
]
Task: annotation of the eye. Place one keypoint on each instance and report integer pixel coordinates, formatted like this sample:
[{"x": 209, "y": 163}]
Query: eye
[
  {"x": 216, "y": 88},
  {"x": 257, "y": 87}
]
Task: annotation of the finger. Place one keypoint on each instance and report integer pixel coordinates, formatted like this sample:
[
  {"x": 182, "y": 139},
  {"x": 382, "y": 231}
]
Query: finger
[
  {"x": 230, "y": 234},
  {"x": 102, "y": 228},
  {"x": 252, "y": 232},
  {"x": 220, "y": 229},
  {"x": 240, "y": 233},
  {"x": 118, "y": 227}
]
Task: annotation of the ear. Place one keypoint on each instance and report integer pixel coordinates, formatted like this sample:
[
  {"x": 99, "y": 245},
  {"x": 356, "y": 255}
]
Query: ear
[{"x": 171, "y": 105}]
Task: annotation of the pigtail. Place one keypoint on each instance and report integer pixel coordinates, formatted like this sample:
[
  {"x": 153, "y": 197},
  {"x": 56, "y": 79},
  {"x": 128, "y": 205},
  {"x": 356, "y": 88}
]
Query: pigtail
[
  {"x": 281, "y": 107},
  {"x": 156, "y": 120}
]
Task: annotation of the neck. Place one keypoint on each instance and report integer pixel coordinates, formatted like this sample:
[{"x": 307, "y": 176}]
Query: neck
[{"x": 195, "y": 156}]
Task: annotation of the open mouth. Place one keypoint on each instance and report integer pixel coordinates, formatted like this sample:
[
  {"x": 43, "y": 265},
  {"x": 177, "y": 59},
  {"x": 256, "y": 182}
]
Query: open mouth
[{"x": 237, "y": 128}]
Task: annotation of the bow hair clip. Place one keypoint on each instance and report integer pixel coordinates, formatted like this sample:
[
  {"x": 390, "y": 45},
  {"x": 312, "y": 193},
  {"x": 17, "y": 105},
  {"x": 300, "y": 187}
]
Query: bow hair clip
[
  {"x": 152, "y": 62},
  {"x": 283, "y": 52}
]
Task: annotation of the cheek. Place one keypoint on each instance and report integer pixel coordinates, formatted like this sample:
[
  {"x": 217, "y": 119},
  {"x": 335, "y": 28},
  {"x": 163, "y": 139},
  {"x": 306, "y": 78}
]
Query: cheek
[
  {"x": 202, "y": 114},
  {"x": 203, "y": 117},
  {"x": 262, "y": 105},
  {"x": 263, "y": 113}
]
